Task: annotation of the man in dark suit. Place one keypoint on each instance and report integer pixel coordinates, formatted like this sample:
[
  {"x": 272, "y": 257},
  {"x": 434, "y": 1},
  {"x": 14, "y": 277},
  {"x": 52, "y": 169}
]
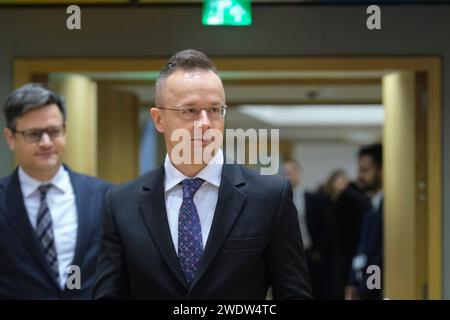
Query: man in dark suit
[
  {"x": 199, "y": 229},
  {"x": 370, "y": 246},
  {"x": 49, "y": 215},
  {"x": 312, "y": 211}
]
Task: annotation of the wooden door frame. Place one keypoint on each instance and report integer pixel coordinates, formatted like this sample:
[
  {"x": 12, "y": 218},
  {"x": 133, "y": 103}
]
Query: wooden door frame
[{"x": 24, "y": 68}]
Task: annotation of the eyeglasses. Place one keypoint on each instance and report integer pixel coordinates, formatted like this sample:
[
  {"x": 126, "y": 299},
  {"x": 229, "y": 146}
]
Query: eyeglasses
[
  {"x": 35, "y": 135},
  {"x": 187, "y": 113}
]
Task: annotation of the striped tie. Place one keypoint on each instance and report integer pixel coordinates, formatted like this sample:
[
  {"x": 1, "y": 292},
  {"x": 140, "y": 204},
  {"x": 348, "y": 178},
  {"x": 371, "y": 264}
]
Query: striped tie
[{"x": 44, "y": 230}]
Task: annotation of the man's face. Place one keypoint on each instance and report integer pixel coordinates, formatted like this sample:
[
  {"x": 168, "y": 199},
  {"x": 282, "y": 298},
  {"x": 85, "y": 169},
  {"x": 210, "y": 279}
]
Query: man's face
[
  {"x": 194, "y": 89},
  {"x": 44, "y": 155},
  {"x": 369, "y": 175},
  {"x": 292, "y": 173}
]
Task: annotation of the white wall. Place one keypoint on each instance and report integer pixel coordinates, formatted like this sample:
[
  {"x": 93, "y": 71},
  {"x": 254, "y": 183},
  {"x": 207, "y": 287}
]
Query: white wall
[{"x": 319, "y": 160}]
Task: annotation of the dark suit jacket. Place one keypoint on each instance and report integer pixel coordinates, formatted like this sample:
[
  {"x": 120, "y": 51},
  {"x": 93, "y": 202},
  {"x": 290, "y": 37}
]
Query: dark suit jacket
[
  {"x": 319, "y": 255},
  {"x": 24, "y": 270},
  {"x": 345, "y": 228},
  {"x": 254, "y": 242},
  {"x": 316, "y": 207},
  {"x": 370, "y": 245}
]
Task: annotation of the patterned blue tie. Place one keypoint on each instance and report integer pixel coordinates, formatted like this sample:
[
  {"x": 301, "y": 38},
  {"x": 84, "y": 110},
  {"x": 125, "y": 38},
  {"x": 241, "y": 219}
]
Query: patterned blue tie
[
  {"x": 44, "y": 230},
  {"x": 190, "y": 244}
]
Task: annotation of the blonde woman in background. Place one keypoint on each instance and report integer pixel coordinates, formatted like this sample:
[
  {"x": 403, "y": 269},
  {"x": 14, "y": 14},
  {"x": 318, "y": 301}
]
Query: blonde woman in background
[{"x": 344, "y": 223}]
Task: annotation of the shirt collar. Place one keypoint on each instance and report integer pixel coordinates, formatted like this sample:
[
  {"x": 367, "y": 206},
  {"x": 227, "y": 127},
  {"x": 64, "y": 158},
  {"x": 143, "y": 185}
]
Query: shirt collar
[
  {"x": 299, "y": 190},
  {"x": 376, "y": 200},
  {"x": 211, "y": 173},
  {"x": 29, "y": 184}
]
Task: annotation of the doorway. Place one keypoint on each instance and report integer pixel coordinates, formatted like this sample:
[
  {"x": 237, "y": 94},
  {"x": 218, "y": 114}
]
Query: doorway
[{"x": 413, "y": 255}]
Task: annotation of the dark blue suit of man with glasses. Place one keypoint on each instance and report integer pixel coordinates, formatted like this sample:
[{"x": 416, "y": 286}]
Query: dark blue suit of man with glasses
[{"x": 49, "y": 215}]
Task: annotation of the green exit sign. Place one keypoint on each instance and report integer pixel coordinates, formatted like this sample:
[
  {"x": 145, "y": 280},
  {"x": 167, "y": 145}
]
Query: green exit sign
[{"x": 227, "y": 13}]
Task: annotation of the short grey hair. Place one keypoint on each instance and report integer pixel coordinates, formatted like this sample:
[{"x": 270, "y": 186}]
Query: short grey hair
[{"x": 187, "y": 60}]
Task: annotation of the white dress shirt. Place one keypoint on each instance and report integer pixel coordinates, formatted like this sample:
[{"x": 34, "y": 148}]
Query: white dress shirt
[
  {"x": 376, "y": 200},
  {"x": 299, "y": 201},
  {"x": 205, "y": 199},
  {"x": 62, "y": 206}
]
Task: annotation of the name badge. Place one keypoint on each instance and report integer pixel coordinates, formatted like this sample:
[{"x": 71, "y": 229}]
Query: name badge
[{"x": 359, "y": 262}]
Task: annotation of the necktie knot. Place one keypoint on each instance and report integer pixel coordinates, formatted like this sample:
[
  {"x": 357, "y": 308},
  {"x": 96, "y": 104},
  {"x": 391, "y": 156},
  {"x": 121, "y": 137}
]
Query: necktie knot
[
  {"x": 43, "y": 189},
  {"x": 190, "y": 187}
]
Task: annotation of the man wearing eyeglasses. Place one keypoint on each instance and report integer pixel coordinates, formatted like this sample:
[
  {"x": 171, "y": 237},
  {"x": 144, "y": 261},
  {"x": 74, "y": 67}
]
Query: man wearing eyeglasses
[
  {"x": 49, "y": 215},
  {"x": 199, "y": 229}
]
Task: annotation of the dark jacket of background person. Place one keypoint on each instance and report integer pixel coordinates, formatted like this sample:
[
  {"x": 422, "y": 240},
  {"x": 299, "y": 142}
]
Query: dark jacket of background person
[
  {"x": 24, "y": 270},
  {"x": 371, "y": 246},
  {"x": 345, "y": 227},
  {"x": 317, "y": 206}
]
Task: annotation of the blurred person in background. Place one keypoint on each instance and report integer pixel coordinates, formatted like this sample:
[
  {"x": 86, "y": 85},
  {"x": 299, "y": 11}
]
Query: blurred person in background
[
  {"x": 49, "y": 214},
  {"x": 370, "y": 245},
  {"x": 343, "y": 225},
  {"x": 312, "y": 208}
]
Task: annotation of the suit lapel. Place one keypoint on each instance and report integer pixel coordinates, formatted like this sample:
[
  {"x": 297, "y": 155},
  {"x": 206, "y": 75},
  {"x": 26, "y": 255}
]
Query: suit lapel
[
  {"x": 153, "y": 209},
  {"x": 83, "y": 193},
  {"x": 229, "y": 205},
  {"x": 16, "y": 214}
]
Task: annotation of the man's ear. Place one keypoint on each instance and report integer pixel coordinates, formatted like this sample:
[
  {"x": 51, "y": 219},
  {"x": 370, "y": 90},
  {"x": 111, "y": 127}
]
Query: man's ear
[
  {"x": 9, "y": 136},
  {"x": 158, "y": 120}
]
